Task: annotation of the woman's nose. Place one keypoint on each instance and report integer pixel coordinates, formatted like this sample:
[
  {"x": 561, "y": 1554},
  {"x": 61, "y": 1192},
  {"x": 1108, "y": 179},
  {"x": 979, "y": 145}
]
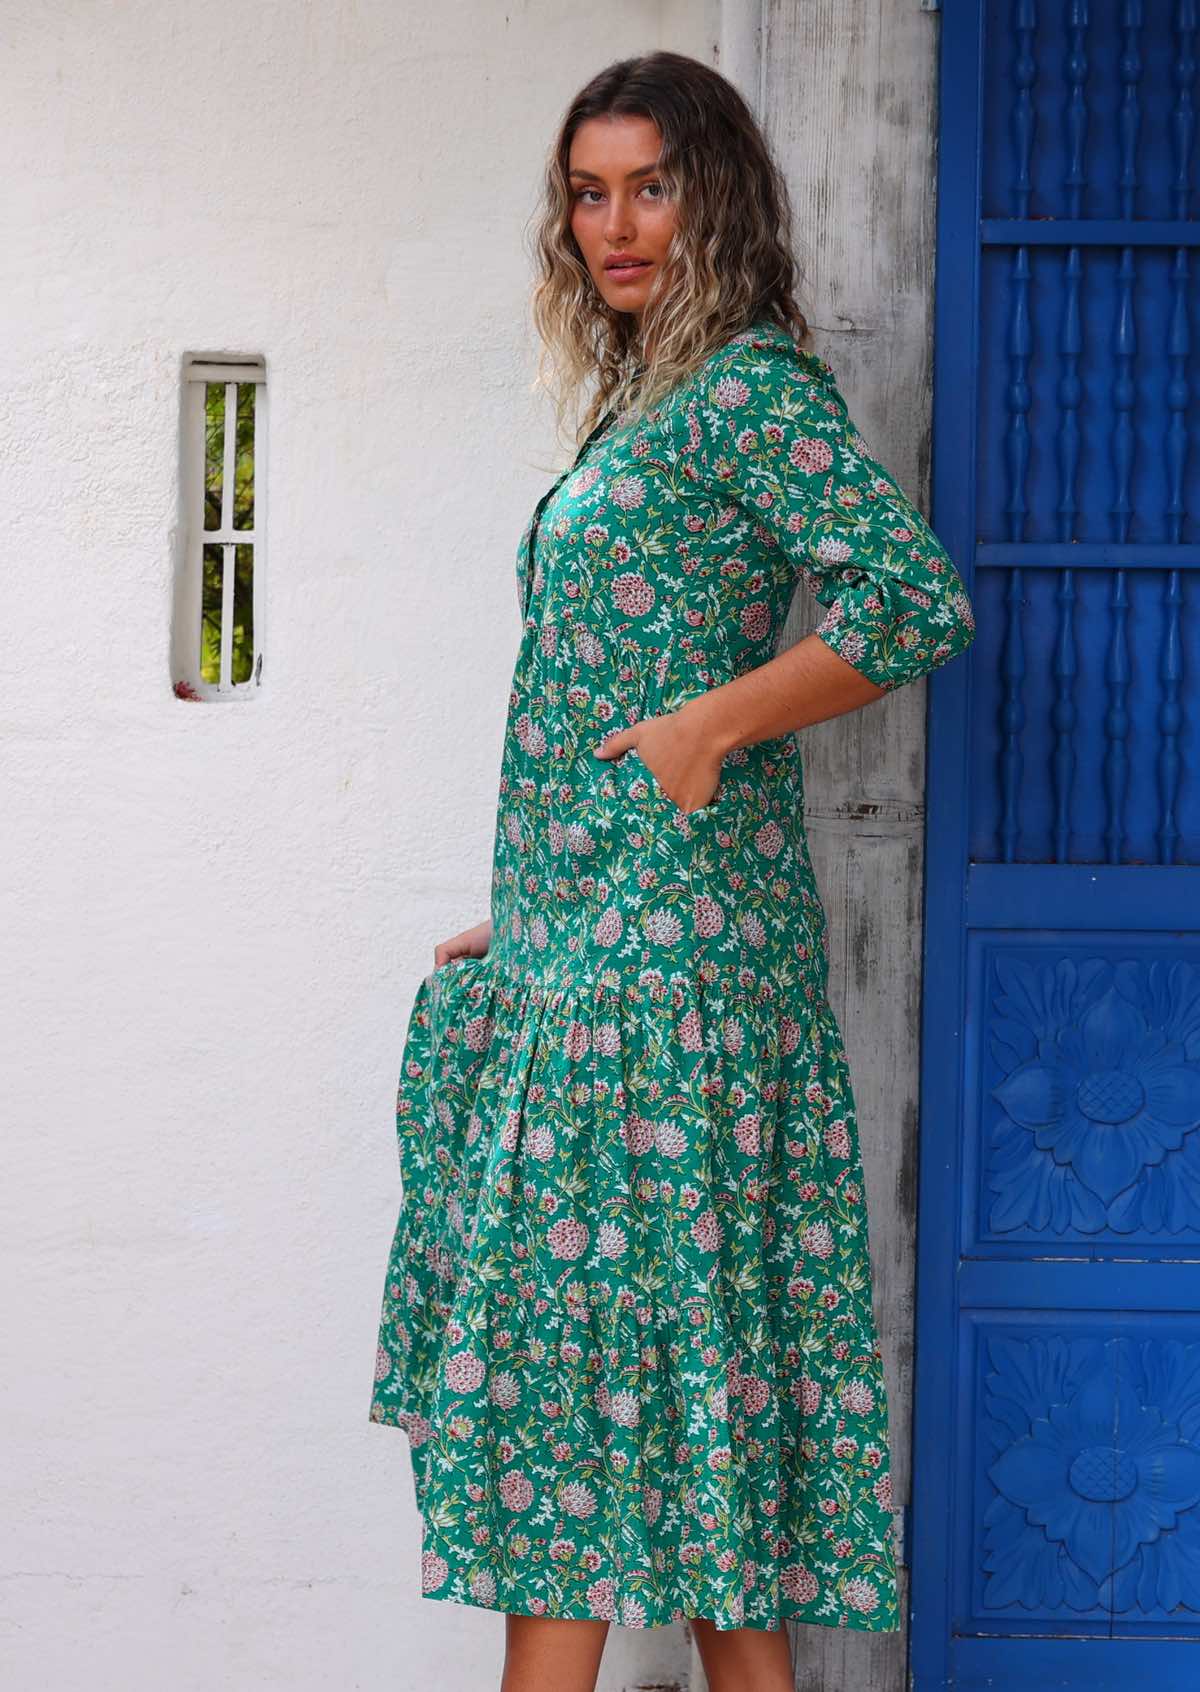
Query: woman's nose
[{"x": 619, "y": 222}]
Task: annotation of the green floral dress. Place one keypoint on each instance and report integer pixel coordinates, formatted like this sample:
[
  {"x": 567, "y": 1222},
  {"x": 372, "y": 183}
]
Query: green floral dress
[{"x": 627, "y": 1320}]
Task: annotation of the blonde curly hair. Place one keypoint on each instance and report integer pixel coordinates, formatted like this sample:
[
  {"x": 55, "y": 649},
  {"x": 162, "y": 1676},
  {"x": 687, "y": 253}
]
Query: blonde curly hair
[{"x": 729, "y": 263}]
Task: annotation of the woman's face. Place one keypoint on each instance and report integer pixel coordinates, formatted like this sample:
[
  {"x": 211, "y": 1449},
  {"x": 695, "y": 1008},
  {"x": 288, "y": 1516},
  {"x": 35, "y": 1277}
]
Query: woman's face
[{"x": 620, "y": 211}]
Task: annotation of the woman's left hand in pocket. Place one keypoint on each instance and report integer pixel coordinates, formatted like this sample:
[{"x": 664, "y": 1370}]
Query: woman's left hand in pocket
[{"x": 676, "y": 752}]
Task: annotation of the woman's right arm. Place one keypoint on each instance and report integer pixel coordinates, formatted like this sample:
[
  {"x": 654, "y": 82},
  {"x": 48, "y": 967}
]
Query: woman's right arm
[{"x": 471, "y": 943}]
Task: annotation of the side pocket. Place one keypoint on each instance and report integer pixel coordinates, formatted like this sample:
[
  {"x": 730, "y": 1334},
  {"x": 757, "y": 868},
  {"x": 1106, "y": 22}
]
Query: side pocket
[{"x": 685, "y": 669}]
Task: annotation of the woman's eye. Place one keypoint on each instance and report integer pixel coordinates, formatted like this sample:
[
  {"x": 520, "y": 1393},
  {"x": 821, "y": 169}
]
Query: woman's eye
[
  {"x": 584, "y": 191},
  {"x": 659, "y": 186}
]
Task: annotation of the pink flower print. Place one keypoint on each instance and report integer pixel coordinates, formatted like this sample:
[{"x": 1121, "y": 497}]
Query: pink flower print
[
  {"x": 606, "y": 1039},
  {"x": 852, "y": 647},
  {"x": 611, "y": 1240},
  {"x": 651, "y": 1504},
  {"x": 663, "y": 928},
  {"x": 707, "y": 1230},
  {"x": 418, "y": 1428},
  {"x": 577, "y": 1499},
  {"x": 463, "y": 1371},
  {"x": 530, "y": 735},
  {"x": 638, "y": 1134},
  {"x": 670, "y": 1139},
  {"x": 755, "y": 1393},
  {"x": 383, "y": 1364},
  {"x": 434, "y": 1571},
  {"x": 883, "y": 1491},
  {"x": 752, "y": 929},
  {"x": 483, "y": 1587},
  {"x": 817, "y": 1240},
  {"x": 589, "y": 647},
  {"x": 585, "y": 480},
  {"x": 747, "y": 1134},
  {"x": 633, "y": 594},
  {"x": 733, "y": 1036},
  {"x": 810, "y": 1395},
  {"x": 768, "y": 840},
  {"x": 610, "y": 927},
  {"x": 628, "y": 492},
  {"x": 595, "y": 534},
  {"x": 633, "y": 1611},
  {"x": 578, "y": 841},
  {"x": 690, "y": 1032},
  {"x": 577, "y": 1041},
  {"x": 860, "y": 1595},
  {"x": 730, "y": 391},
  {"x": 568, "y": 1237},
  {"x": 539, "y": 933},
  {"x": 832, "y": 553},
  {"x": 746, "y": 441},
  {"x": 478, "y": 1034},
  {"x": 708, "y": 916},
  {"x": 789, "y": 1033},
  {"x": 504, "y": 1391},
  {"x": 857, "y": 1398},
  {"x": 798, "y": 1583},
  {"x": 625, "y": 1408},
  {"x": 837, "y": 1138},
  {"x": 540, "y": 1143},
  {"x": 516, "y": 1490},
  {"x": 755, "y": 620},
  {"x": 810, "y": 456},
  {"x": 602, "y": 1599}
]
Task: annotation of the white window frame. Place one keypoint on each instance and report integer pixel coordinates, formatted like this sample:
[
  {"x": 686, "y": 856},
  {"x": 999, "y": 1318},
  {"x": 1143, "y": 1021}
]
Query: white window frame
[{"x": 199, "y": 370}]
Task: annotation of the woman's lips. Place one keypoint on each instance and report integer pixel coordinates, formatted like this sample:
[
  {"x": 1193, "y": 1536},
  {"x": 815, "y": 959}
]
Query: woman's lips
[{"x": 627, "y": 272}]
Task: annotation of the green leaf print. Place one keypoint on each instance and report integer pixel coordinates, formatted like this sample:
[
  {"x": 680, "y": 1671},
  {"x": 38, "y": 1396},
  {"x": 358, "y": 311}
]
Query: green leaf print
[{"x": 627, "y": 1322}]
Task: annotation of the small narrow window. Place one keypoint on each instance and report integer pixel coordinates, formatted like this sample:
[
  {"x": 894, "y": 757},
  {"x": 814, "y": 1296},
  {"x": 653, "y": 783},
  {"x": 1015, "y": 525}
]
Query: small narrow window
[{"x": 218, "y": 637}]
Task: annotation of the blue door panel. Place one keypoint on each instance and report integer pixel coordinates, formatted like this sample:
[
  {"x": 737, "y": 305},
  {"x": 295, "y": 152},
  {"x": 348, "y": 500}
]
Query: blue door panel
[{"x": 1056, "y": 1504}]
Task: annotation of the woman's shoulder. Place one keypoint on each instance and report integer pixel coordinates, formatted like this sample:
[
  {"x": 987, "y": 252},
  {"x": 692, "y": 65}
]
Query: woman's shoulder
[
  {"x": 762, "y": 357},
  {"x": 765, "y": 341},
  {"x": 759, "y": 371}
]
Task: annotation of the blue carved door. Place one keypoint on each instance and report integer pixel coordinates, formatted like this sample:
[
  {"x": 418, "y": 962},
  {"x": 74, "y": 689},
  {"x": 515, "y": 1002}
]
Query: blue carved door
[{"x": 1056, "y": 1499}]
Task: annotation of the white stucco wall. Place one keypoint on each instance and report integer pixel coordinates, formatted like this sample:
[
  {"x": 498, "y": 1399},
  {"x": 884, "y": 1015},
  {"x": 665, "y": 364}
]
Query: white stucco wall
[{"x": 217, "y": 914}]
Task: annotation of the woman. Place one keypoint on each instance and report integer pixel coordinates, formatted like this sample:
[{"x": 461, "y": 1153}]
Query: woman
[{"x": 628, "y": 1322}]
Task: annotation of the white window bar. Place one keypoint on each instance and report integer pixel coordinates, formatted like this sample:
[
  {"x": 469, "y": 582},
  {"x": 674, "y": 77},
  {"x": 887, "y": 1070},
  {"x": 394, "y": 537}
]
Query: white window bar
[{"x": 204, "y": 655}]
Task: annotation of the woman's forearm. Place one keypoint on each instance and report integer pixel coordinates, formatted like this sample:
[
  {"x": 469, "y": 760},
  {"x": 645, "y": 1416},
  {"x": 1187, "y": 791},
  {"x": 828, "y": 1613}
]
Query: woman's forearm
[{"x": 806, "y": 684}]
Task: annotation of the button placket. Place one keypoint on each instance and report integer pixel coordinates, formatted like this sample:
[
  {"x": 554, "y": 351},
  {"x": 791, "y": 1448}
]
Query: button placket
[{"x": 545, "y": 500}]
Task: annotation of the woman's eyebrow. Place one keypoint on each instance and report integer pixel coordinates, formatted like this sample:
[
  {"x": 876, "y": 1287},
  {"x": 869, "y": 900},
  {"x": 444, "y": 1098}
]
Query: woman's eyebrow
[{"x": 642, "y": 170}]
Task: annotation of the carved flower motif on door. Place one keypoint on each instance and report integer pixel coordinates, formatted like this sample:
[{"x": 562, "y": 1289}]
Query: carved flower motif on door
[
  {"x": 1100, "y": 1091},
  {"x": 1097, "y": 1475}
]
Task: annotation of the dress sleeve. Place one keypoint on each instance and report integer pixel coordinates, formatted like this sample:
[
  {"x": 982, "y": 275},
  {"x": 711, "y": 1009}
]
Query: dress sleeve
[{"x": 772, "y": 429}]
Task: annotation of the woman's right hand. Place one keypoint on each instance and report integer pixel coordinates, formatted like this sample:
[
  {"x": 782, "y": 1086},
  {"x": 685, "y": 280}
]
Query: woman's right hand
[{"x": 471, "y": 943}]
